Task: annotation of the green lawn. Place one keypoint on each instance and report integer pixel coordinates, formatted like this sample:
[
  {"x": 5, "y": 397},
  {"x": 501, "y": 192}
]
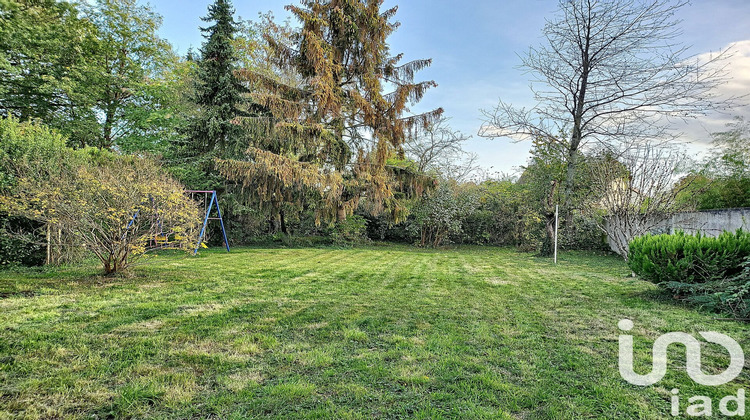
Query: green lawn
[{"x": 382, "y": 331}]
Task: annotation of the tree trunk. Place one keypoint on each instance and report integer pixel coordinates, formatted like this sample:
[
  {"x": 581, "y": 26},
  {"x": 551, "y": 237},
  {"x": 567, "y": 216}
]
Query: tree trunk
[
  {"x": 570, "y": 176},
  {"x": 548, "y": 246},
  {"x": 548, "y": 206},
  {"x": 577, "y": 135},
  {"x": 108, "y": 125},
  {"x": 282, "y": 222}
]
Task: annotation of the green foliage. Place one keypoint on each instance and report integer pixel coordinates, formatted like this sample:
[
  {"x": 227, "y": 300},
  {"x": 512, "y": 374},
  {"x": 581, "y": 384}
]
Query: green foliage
[
  {"x": 24, "y": 147},
  {"x": 734, "y": 294},
  {"x": 218, "y": 92},
  {"x": 91, "y": 195},
  {"x": 723, "y": 180},
  {"x": 97, "y": 71},
  {"x": 730, "y": 295},
  {"x": 20, "y": 242},
  {"x": 46, "y": 65},
  {"x": 25, "y": 144},
  {"x": 439, "y": 217},
  {"x": 208, "y": 100},
  {"x": 581, "y": 232},
  {"x": 156, "y": 119},
  {"x": 128, "y": 61},
  {"x": 505, "y": 216},
  {"x": 501, "y": 212},
  {"x": 546, "y": 184},
  {"x": 710, "y": 191},
  {"x": 680, "y": 260},
  {"x": 711, "y": 272},
  {"x": 350, "y": 231}
]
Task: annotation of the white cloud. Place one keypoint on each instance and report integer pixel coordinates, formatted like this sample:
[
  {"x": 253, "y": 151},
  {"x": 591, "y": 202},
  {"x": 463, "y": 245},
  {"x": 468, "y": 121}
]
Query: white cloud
[{"x": 698, "y": 131}]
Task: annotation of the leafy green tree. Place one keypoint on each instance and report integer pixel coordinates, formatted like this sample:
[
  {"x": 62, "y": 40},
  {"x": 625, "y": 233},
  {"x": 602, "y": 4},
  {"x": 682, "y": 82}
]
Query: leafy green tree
[
  {"x": 129, "y": 57},
  {"x": 97, "y": 71},
  {"x": 729, "y": 167},
  {"x": 545, "y": 177},
  {"x": 213, "y": 130},
  {"x": 157, "y": 118},
  {"x": 722, "y": 179},
  {"x": 46, "y": 66}
]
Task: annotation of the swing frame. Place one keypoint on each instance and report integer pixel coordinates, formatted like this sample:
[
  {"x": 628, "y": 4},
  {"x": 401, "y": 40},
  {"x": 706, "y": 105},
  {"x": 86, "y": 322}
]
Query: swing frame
[{"x": 209, "y": 204}]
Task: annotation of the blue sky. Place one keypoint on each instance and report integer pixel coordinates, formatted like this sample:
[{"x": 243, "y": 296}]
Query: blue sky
[{"x": 475, "y": 46}]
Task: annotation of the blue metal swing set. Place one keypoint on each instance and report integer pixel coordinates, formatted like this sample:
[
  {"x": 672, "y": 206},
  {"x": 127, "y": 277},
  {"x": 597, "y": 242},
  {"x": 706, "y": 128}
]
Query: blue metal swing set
[
  {"x": 214, "y": 200},
  {"x": 160, "y": 240}
]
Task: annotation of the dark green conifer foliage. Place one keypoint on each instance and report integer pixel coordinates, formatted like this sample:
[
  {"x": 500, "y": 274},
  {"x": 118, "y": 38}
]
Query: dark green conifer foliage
[{"x": 218, "y": 92}]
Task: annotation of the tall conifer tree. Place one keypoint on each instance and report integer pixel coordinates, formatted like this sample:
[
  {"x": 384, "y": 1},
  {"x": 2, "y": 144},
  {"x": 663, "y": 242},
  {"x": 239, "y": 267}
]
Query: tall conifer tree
[
  {"x": 331, "y": 137},
  {"x": 218, "y": 92}
]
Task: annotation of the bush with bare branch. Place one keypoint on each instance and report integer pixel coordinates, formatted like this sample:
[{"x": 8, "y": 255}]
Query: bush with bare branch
[{"x": 636, "y": 191}]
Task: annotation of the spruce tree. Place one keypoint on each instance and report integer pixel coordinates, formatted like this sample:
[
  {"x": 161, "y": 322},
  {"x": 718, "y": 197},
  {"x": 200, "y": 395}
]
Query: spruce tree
[
  {"x": 330, "y": 141},
  {"x": 218, "y": 93}
]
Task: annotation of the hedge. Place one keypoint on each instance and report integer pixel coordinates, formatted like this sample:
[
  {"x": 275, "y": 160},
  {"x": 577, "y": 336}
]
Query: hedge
[{"x": 711, "y": 272}]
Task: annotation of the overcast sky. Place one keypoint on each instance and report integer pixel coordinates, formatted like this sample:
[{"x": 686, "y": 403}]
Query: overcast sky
[{"x": 475, "y": 45}]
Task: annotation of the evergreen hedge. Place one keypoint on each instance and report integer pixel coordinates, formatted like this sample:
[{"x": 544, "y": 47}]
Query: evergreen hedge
[{"x": 711, "y": 272}]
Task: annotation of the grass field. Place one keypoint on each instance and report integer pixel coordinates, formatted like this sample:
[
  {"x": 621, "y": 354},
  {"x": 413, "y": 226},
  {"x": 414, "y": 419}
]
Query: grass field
[{"x": 383, "y": 332}]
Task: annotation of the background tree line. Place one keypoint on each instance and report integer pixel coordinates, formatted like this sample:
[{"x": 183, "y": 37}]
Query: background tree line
[{"x": 306, "y": 130}]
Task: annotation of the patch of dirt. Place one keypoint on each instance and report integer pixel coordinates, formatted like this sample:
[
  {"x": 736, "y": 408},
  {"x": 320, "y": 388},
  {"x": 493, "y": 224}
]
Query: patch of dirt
[
  {"x": 150, "y": 325},
  {"x": 497, "y": 281},
  {"x": 17, "y": 293}
]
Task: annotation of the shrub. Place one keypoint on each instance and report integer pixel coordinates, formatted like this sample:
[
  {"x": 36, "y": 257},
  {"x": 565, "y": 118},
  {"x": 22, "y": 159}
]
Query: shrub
[
  {"x": 20, "y": 242},
  {"x": 439, "y": 217},
  {"x": 711, "y": 272},
  {"x": 581, "y": 232},
  {"x": 730, "y": 295},
  {"x": 352, "y": 230},
  {"x": 681, "y": 259},
  {"x": 92, "y": 196},
  {"x": 735, "y": 294},
  {"x": 294, "y": 241},
  {"x": 26, "y": 148}
]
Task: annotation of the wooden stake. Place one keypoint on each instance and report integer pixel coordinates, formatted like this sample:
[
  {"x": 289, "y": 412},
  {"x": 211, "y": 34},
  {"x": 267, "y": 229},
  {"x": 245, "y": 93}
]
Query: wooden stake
[{"x": 49, "y": 244}]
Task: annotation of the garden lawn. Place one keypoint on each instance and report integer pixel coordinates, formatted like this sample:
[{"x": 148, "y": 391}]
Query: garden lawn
[{"x": 376, "y": 332}]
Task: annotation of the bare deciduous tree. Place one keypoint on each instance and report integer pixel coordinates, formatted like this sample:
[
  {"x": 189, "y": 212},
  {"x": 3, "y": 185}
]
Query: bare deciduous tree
[
  {"x": 637, "y": 192},
  {"x": 610, "y": 69},
  {"x": 439, "y": 148}
]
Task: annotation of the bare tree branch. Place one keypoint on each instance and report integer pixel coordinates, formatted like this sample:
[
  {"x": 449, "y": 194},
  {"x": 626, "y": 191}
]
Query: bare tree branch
[
  {"x": 439, "y": 148},
  {"x": 636, "y": 192},
  {"x": 611, "y": 70}
]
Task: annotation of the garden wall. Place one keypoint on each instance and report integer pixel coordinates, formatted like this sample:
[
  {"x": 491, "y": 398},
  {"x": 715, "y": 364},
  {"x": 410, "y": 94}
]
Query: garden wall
[
  {"x": 708, "y": 222},
  {"x": 711, "y": 222}
]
